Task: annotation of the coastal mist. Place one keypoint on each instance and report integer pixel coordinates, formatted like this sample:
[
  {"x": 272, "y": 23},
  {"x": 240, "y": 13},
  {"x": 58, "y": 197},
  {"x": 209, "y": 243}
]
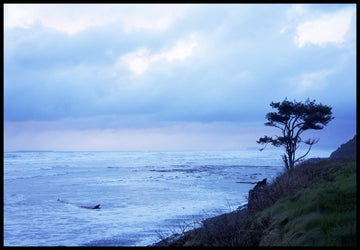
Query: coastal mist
[{"x": 140, "y": 193}]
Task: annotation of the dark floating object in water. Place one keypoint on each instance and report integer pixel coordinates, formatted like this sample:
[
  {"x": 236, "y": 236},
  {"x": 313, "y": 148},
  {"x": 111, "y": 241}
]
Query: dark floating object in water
[
  {"x": 87, "y": 207},
  {"x": 91, "y": 207},
  {"x": 246, "y": 182}
]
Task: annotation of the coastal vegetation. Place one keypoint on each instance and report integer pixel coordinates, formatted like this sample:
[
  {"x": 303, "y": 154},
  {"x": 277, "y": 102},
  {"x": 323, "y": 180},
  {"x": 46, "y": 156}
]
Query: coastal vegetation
[
  {"x": 314, "y": 204},
  {"x": 323, "y": 214},
  {"x": 345, "y": 150},
  {"x": 293, "y": 118}
]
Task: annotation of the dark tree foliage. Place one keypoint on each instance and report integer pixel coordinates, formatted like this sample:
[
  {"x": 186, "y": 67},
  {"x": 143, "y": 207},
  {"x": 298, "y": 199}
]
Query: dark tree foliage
[{"x": 293, "y": 118}]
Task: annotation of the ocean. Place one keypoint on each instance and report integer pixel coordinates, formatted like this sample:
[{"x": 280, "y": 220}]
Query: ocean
[{"x": 143, "y": 194}]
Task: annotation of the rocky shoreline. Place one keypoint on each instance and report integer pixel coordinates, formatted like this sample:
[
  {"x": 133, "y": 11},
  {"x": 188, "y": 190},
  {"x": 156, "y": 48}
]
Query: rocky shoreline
[
  {"x": 210, "y": 224},
  {"x": 226, "y": 220},
  {"x": 241, "y": 227}
]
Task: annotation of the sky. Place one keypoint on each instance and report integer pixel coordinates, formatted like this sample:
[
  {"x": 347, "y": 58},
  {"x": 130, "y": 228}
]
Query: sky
[{"x": 172, "y": 76}]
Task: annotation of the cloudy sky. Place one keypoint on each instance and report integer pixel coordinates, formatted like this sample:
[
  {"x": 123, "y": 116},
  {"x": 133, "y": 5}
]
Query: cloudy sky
[{"x": 172, "y": 77}]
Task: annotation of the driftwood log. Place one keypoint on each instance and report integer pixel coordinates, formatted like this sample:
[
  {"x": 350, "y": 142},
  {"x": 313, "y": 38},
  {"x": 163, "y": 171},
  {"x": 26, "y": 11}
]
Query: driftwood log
[{"x": 87, "y": 207}]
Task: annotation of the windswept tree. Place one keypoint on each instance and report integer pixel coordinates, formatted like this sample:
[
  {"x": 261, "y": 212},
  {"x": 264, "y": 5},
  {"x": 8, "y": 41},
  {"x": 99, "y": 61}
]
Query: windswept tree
[{"x": 293, "y": 118}]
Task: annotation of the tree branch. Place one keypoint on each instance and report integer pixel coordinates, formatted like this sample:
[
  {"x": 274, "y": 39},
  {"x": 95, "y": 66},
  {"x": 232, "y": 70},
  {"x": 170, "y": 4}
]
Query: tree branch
[{"x": 314, "y": 141}]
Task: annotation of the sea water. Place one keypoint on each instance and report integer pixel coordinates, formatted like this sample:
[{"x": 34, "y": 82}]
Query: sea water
[{"x": 143, "y": 195}]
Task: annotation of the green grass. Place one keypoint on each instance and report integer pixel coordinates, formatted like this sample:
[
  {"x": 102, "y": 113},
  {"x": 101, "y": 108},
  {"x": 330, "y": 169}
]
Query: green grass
[
  {"x": 321, "y": 215},
  {"x": 314, "y": 205}
]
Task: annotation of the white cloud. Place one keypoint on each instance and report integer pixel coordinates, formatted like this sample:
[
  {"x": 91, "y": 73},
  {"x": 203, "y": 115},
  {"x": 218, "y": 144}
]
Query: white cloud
[
  {"x": 65, "y": 18},
  {"x": 180, "y": 51},
  {"x": 313, "y": 81},
  {"x": 295, "y": 11},
  {"x": 19, "y": 15},
  {"x": 140, "y": 60},
  {"x": 72, "y": 18},
  {"x": 292, "y": 15},
  {"x": 153, "y": 16},
  {"x": 329, "y": 28}
]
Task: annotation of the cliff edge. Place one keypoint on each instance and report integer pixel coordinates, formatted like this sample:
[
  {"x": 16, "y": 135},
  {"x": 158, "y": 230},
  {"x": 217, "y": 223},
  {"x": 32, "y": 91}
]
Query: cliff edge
[{"x": 347, "y": 150}]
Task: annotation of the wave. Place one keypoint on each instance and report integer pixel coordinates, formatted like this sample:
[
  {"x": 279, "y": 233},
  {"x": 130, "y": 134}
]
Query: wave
[
  {"x": 11, "y": 155},
  {"x": 33, "y": 176},
  {"x": 30, "y": 151},
  {"x": 14, "y": 199}
]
